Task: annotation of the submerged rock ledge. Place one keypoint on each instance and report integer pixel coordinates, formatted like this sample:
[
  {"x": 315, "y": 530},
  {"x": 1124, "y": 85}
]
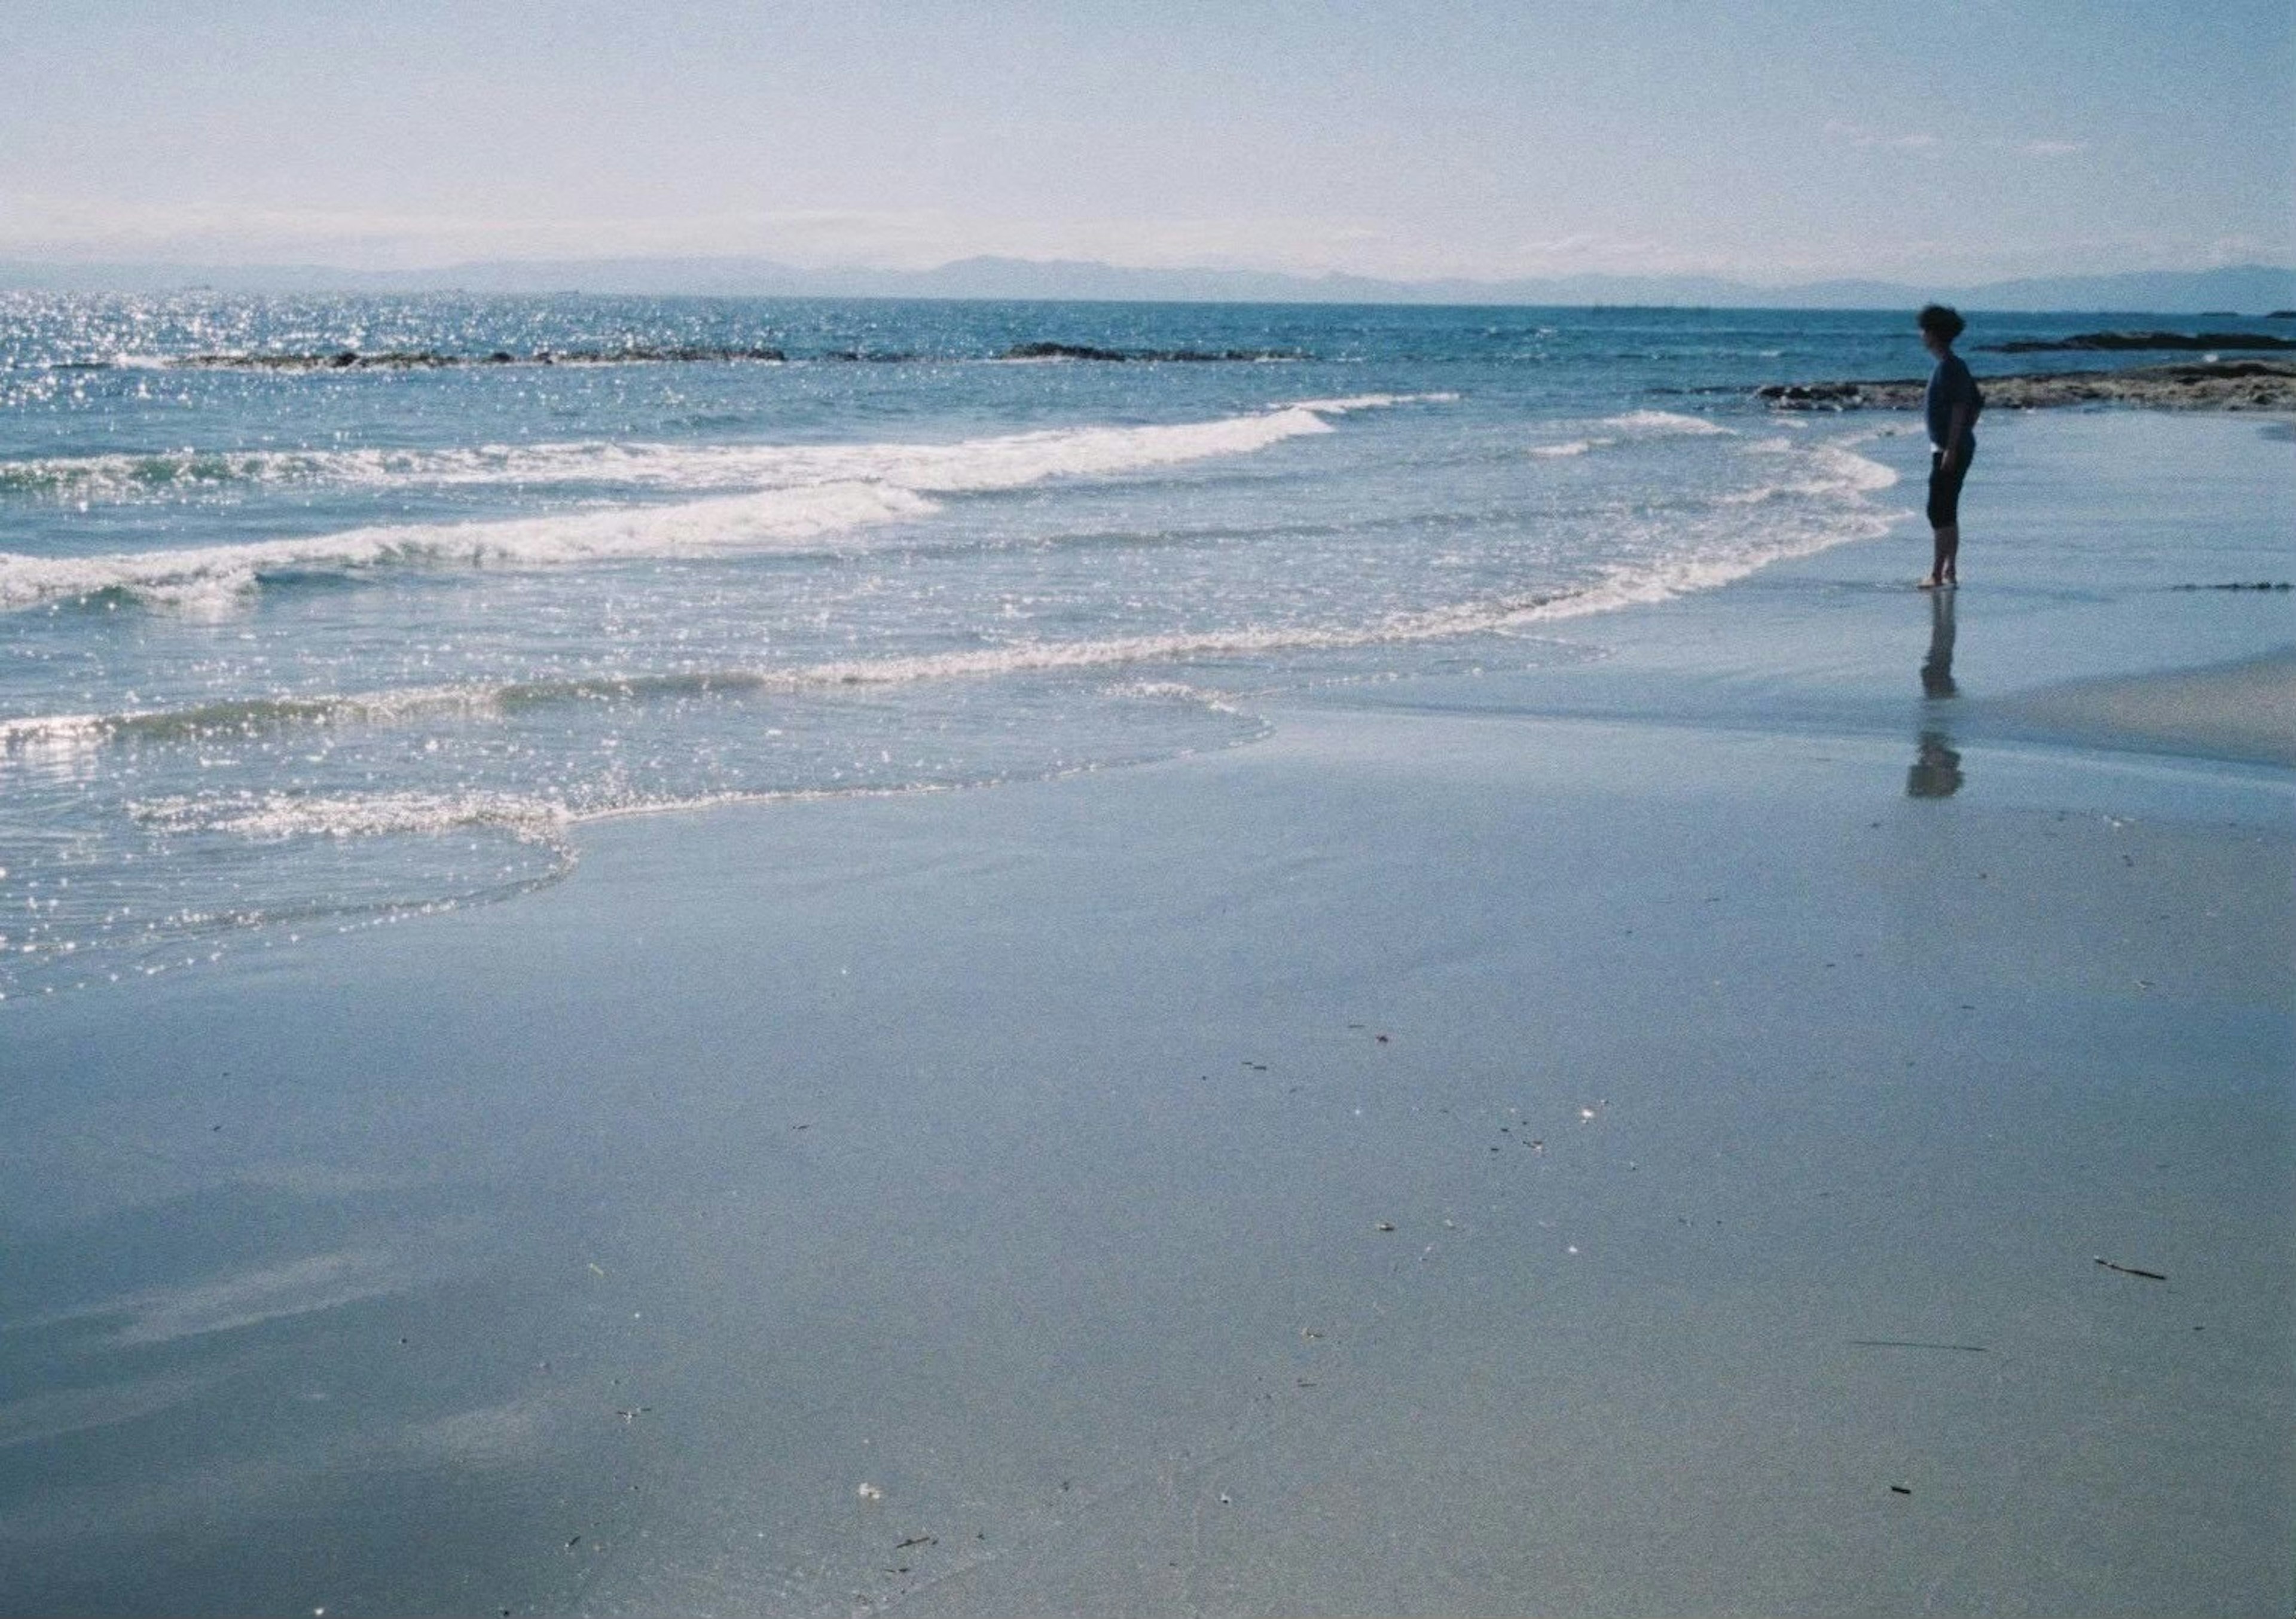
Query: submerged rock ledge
[
  {"x": 2129, "y": 341},
  {"x": 429, "y": 359},
  {"x": 2219, "y": 384},
  {"x": 426, "y": 359},
  {"x": 1079, "y": 351}
]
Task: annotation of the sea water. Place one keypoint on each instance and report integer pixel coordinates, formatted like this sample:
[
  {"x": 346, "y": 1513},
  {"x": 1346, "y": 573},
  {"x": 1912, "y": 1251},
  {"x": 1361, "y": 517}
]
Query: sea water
[{"x": 325, "y": 611}]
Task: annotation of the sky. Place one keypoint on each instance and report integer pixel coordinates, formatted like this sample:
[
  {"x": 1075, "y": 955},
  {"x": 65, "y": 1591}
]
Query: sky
[{"x": 1771, "y": 141}]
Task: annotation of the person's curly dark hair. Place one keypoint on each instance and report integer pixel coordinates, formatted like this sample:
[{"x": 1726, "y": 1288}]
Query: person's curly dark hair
[{"x": 1943, "y": 320}]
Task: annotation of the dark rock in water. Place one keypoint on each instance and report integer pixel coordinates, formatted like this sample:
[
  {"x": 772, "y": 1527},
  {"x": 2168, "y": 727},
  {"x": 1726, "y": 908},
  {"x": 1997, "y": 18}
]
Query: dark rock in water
[
  {"x": 1074, "y": 351},
  {"x": 347, "y": 359},
  {"x": 636, "y": 355},
  {"x": 2114, "y": 341},
  {"x": 1230, "y": 356},
  {"x": 1062, "y": 351},
  {"x": 2259, "y": 585},
  {"x": 1831, "y": 396},
  {"x": 500, "y": 356},
  {"x": 868, "y": 356},
  {"x": 2282, "y": 315}
]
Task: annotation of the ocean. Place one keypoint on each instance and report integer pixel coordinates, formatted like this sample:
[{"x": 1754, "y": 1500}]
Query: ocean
[{"x": 325, "y": 613}]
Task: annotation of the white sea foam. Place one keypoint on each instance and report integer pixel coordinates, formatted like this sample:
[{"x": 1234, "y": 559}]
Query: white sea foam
[
  {"x": 1656, "y": 423},
  {"x": 271, "y": 817},
  {"x": 1179, "y": 691},
  {"x": 813, "y": 490},
  {"x": 1634, "y": 426},
  {"x": 56, "y": 733},
  {"x": 56, "y": 730},
  {"x": 1820, "y": 471},
  {"x": 1369, "y": 402},
  {"x": 201, "y": 572},
  {"x": 121, "y": 476}
]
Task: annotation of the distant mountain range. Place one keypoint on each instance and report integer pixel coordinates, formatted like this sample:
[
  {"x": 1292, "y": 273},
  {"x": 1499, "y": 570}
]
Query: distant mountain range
[{"x": 2246, "y": 288}]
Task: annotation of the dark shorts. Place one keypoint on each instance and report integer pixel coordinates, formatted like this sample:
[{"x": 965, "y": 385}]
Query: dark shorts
[{"x": 1945, "y": 488}]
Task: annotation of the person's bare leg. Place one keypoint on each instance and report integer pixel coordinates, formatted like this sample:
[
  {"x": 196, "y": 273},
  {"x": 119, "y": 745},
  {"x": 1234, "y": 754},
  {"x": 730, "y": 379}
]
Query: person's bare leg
[{"x": 1942, "y": 556}]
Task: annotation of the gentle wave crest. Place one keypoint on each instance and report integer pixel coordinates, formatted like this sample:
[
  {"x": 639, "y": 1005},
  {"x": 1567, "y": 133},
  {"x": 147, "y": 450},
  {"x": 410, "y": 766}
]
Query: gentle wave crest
[
  {"x": 1654, "y": 423},
  {"x": 994, "y": 463},
  {"x": 779, "y": 516},
  {"x": 812, "y": 491},
  {"x": 275, "y": 816}
]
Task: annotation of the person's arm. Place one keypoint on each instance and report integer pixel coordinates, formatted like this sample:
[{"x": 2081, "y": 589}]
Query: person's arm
[
  {"x": 1960, "y": 420},
  {"x": 1956, "y": 433}
]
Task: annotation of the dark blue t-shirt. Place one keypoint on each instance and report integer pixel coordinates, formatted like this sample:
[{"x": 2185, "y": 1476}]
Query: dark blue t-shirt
[{"x": 1950, "y": 384}]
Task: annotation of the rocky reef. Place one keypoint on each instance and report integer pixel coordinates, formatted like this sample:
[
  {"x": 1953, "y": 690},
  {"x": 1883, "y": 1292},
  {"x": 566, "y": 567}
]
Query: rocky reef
[
  {"x": 425, "y": 359},
  {"x": 1078, "y": 351},
  {"x": 2138, "y": 341},
  {"x": 2204, "y": 385}
]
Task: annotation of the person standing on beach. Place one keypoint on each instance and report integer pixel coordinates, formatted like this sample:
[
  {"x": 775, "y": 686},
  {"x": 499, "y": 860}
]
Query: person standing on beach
[{"x": 1951, "y": 404}]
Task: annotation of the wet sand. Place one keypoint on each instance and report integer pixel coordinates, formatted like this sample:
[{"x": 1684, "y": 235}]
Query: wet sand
[
  {"x": 1780, "y": 1118},
  {"x": 2243, "y": 711}
]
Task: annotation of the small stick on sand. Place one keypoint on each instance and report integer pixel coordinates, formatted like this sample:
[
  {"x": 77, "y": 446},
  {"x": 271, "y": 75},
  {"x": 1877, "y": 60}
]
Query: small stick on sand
[{"x": 2131, "y": 1270}]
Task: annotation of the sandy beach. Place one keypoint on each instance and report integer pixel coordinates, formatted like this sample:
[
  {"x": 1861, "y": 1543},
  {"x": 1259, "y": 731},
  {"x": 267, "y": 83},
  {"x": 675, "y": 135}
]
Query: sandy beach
[{"x": 1788, "y": 1113}]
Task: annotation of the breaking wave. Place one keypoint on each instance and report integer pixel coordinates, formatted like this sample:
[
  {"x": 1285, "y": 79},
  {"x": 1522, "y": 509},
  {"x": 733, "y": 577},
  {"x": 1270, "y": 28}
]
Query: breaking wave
[
  {"x": 193, "y": 574},
  {"x": 797, "y": 493},
  {"x": 1002, "y": 462}
]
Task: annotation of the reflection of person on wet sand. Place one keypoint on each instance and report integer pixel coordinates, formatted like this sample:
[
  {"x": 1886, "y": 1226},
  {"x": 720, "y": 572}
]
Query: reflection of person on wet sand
[
  {"x": 1937, "y": 668},
  {"x": 1936, "y": 769}
]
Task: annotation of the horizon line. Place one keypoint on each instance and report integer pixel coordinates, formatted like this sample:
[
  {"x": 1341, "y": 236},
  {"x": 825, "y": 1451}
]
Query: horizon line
[{"x": 35, "y": 258}]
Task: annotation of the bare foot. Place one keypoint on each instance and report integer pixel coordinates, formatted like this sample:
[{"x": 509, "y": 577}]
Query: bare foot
[{"x": 1931, "y": 584}]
